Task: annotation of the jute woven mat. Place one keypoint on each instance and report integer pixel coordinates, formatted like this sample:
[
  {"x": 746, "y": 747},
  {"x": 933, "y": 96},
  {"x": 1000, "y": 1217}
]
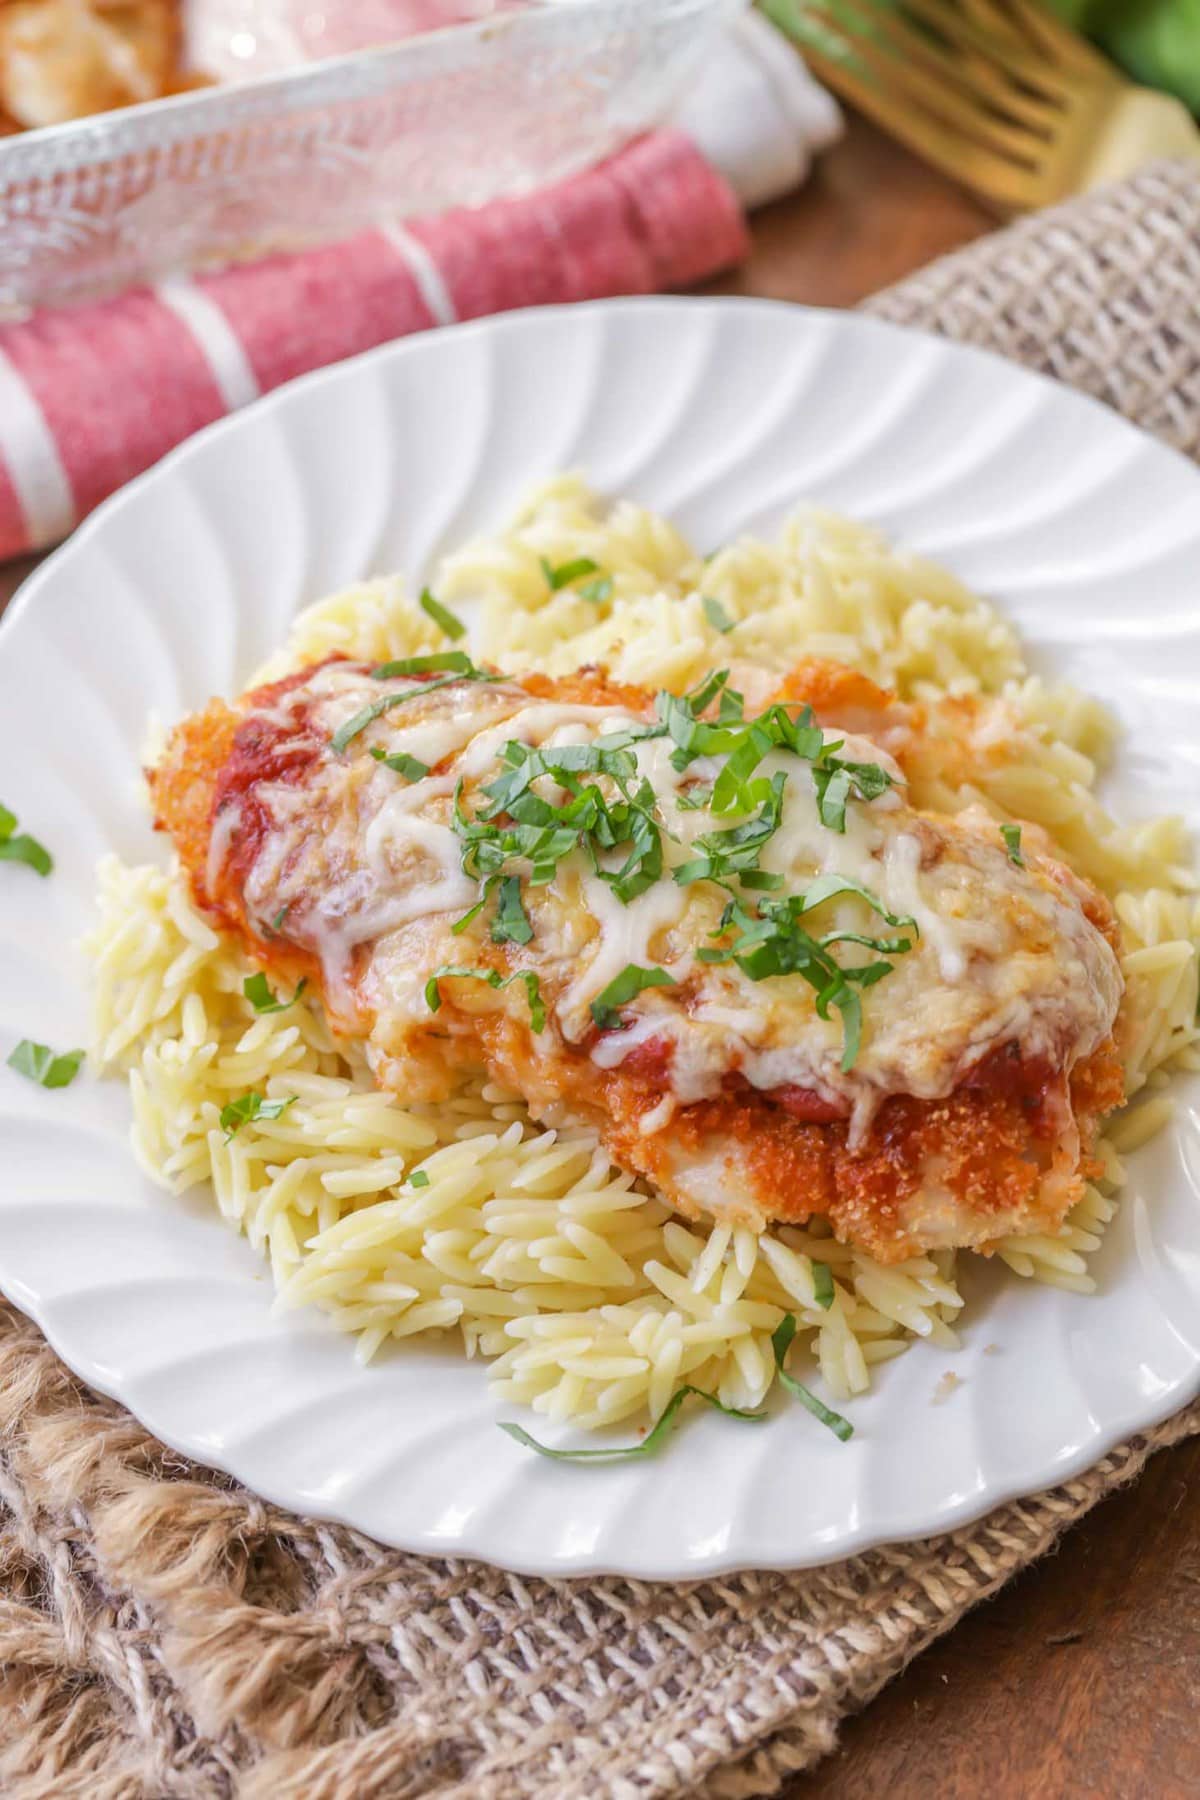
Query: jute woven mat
[{"x": 164, "y": 1634}]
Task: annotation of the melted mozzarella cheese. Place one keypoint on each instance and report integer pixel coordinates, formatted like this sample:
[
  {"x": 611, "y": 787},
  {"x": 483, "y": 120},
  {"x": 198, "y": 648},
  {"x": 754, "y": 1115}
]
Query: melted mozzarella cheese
[{"x": 999, "y": 953}]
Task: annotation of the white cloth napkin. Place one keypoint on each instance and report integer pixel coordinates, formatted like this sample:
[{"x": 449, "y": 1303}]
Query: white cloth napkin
[{"x": 756, "y": 113}]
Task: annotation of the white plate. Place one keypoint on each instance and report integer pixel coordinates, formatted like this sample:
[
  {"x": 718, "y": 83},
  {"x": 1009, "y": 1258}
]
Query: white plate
[{"x": 722, "y": 414}]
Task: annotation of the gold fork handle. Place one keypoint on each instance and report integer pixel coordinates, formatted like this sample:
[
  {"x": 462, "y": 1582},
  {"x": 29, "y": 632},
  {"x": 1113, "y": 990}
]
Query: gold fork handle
[{"x": 1144, "y": 126}]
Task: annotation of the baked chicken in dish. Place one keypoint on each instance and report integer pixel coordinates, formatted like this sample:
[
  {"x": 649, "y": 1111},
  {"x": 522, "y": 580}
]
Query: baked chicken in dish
[
  {"x": 712, "y": 926},
  {"x": 65, "y": 59}
]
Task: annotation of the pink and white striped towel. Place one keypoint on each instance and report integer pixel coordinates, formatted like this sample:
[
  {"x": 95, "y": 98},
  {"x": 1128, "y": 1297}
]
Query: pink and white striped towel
[{"x": 92, "y": 396}]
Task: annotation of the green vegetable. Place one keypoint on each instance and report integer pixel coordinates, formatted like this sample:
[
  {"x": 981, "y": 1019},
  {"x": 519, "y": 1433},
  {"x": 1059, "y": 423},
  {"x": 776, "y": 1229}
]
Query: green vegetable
[
  {"x": 441, "y": 615},
  {"x": 460, "y": 925},
  {"x": 1157, "y": 41},
  {"x": 736, "y": 851},
  {"x": 1012, "y": 843},
  {"x": 419, "y": 1178},
  {"x": 716, "y": 615},
  {"x": 411, "y": 767},
  {"x": 273, "y": 929},
  {"x": 511, "y": 924},
  {"x": 456, "y": 661},
  {"x": 836, "y": 782},
  {"x": 19, "y": 847},
  {"x": 650, "y": 1444},
  {"x": 623, "y": 987},
  {"x": 567, "y": 572},
  {"x": 37, "y": 1062},
  {"x": 781, "y": 1340},
  {"x": 259, "y": 994},
  {"x": 494, "y": 979},
  {"x": 249, "y": 1107},
  {"x": 828, "y": 887},
  {"x": 822, "y": 1284},
  {"x": 771, "y": 941},
  {"x": 597, "y": 591},
  {"x": 542, "y": 833},
  {"x": 518, "y": 831}
]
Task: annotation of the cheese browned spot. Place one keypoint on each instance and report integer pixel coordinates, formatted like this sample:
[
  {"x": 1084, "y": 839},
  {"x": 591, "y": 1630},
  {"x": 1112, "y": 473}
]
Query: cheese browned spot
[{"x": 986, "y": 1056}]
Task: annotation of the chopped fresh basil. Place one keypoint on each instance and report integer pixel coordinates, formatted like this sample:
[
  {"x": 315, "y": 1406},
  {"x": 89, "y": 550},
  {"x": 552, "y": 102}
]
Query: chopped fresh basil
[
  {"x": 438, "y": 662},
  {"x": 781, "y": 1340},
  {"x": 258, "y": 993},
  {"x": 716, "y": 615},
  {"x": 623, "y": 987},
  {"x": 456, "y": 661},
  {"x": 37, "y": 1062},
  {"x": 511, "y": 924},
  {"x": 828, "y": 887},
  {"x": 837, "y": 782},
  {"x": 247, "y": 1108},
  {"x": 419, "y": 1178},
  {"x": 822, "y": 1276},
  {"x": 542, "y": 833},
  {"x": 736, "y": 851},
  {"x": 494, "y": 979},
  {"x": 17, "y": 846},
  {"x": 1012, "y": 843},
  {"x": 273, "y": 929},
  {"x": 521, "y": 833},
  {"x": 771, "y": 941},
  {"x": 401, "y": 763},
  {"x": 460, "y": 925},
  {"x": 441, "y": 615},
  {"x": 654, "y": 1440},
  {"x": 597, "y": 591},
  {"x": 567, "y": 572}
]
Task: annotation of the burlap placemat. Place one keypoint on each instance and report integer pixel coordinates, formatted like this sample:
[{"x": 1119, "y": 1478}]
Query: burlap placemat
[{"x": 163, "y": 1633}]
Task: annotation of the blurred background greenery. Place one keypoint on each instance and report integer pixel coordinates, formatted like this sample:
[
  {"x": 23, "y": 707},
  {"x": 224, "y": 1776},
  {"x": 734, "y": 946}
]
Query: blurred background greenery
[{"x": 1157, "y": 41}]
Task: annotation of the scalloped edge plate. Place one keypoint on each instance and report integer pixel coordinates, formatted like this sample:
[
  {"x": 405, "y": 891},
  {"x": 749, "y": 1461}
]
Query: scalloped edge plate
[{"x": 721, "y": 413}]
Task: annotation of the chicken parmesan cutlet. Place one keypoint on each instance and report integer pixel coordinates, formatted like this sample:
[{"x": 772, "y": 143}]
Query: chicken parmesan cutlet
[{"x": 720, "y": 934}]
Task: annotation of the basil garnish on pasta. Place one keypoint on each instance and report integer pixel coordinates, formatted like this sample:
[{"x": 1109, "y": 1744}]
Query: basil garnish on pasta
[
  {"x": 716, "y": 615},
  {"x": 565, "y": 573},
  {"x": 249, "y": 1107},
  {"x": 258, "y": 992},
  {"x": 654, "y": 1440},
  {"x": 822, "y": 1285},
  {"x": 48, "y": 1068},
  {"x": 597, "y": 591},
  {"x": 1012, "y": 843},
  {"x": 441, "y": 615},
  {"x": 781, "y": 1340}
]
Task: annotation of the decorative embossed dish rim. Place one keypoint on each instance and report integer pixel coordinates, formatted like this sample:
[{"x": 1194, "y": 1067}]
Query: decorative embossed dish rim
[{"x": 720, "y": 413}]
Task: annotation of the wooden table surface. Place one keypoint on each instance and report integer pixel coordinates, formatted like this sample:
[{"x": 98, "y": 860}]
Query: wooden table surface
[{"x": 1083, "y": 1677}]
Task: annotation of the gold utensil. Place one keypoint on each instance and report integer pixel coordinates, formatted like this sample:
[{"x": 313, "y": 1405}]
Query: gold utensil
[{"x": 997, "y": 93}]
